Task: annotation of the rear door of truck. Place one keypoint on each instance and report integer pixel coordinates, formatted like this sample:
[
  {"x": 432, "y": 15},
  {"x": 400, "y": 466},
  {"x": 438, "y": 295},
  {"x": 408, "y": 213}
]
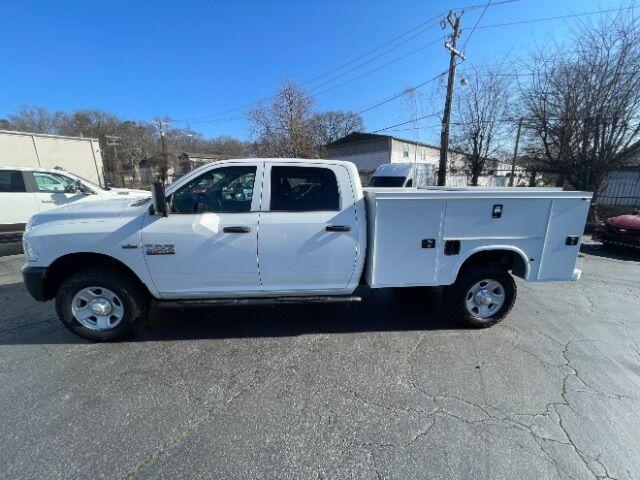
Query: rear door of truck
[{"x": 307, "y": 234}]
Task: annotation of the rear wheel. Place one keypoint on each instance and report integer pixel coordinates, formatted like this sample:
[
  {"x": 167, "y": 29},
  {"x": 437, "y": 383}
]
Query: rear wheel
[
  {"x": 101, "y": 304},
  {"x": 482, "y": 296}
]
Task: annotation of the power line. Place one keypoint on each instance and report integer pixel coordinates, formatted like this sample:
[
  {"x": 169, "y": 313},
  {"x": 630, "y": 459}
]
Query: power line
[
  {"x": 557, "y": 17},
  {"x": 369, "y": 72},
  {"x": 401, "y": 93},
  {"x": 359, "y": 57},
  {"x": 484, "y": 6},
  {"x": 373, "y": 58},
  {"x": 404, "y": 123},
  {"x": 476, "y": 25}
]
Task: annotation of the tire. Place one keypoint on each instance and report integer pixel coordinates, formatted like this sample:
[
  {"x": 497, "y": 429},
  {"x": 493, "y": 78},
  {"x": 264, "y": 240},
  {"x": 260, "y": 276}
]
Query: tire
[
  {"x": 460, "y": 295},
  {"x": 128, "y": 299}
]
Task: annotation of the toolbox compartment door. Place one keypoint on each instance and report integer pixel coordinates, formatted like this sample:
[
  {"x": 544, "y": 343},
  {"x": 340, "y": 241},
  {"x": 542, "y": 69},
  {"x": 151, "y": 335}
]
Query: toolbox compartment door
[
  {"x": 559, "y": 254},
  {"x": 405, "y": 241}
]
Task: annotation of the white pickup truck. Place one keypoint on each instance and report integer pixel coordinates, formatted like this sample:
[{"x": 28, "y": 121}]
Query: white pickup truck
[{"x": 280, "y": 230}]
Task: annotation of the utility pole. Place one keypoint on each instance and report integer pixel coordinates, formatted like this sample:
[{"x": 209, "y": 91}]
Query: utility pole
[
  {"x": 515, "y": 154},
  {"x": 112, "y": 141},
  {"x": 164, "y": 166},
  {"x": 450, "y": 44}
]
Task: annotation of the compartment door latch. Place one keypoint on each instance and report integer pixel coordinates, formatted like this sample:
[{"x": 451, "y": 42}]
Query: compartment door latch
[
  {"x": 571, "y": 241},
  {"x": 429, "y": 243}
]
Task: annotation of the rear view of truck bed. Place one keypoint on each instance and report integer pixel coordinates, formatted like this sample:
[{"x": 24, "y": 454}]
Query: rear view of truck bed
[{"x": 424, "y": 237}]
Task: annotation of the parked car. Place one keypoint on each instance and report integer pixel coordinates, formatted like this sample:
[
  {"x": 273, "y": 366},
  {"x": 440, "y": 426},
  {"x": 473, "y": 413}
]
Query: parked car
[
  {"x": 25, "y": 191},
  {"x": 307, "y": 232},
  {"x": 620, "y": 231},
  {"x": 416, "y": 175}
]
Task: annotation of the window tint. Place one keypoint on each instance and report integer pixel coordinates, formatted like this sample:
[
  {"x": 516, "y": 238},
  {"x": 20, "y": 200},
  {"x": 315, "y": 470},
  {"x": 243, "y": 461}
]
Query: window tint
[
  {"x": 11, "y": 181},
  {"x": 226, "y": 189},
  {"x": 386, "y": 181},
  {"x": 300, "y": 189},
  {"x": 52, "y": 182}
]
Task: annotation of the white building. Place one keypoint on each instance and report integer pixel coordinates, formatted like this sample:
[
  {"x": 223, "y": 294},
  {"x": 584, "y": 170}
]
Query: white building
[
  {"x": 369, "y": 150},
  {"x": 80, "y": 156}
]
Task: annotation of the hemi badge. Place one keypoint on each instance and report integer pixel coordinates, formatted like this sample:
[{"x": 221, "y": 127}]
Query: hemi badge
[
  {"x": 127, "y": 246},
  {"x": 160, "y": 248}
]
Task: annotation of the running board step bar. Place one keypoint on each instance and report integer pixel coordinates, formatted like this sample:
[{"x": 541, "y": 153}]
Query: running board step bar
[{"x": 211, "y": 302}]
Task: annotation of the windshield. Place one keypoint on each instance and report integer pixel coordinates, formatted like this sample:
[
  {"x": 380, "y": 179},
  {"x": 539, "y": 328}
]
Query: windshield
[
  {"x": 84, "y": 180},
  {"x": 386, "y": 181}
]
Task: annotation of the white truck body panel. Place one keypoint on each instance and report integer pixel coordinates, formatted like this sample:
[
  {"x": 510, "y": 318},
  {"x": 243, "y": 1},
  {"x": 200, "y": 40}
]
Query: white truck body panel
[{"x": 533, "y": 223}]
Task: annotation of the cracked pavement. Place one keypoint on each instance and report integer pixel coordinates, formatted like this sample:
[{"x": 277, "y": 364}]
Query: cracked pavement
[{"x": 386, "y": 389}]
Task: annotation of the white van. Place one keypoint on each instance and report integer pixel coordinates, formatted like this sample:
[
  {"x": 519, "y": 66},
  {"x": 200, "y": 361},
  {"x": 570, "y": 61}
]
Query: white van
[
  {"x": 25, "y": 191},
  {"x": 416, "y": 175}
]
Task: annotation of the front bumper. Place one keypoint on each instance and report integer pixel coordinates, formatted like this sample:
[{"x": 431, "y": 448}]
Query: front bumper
[{"x": 34, "y": 281}]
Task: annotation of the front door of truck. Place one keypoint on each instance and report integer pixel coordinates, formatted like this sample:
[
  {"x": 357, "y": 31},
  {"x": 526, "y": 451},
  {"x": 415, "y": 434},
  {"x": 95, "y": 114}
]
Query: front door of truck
[
  {"x": 308, "y": 238},
  {"x": 207, "y": 246}
]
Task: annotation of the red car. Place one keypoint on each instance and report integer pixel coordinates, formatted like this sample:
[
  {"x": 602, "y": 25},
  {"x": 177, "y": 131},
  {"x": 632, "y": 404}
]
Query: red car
[{"x": 622, "y": 231}]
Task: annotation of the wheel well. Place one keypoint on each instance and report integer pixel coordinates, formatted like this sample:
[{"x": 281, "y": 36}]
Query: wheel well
[
  {"x": 65, "y": 266},
  {"x": 506, "y": 259}
]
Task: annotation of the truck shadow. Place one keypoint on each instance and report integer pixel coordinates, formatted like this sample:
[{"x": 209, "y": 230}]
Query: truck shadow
[{"x": 379, "y": 311}]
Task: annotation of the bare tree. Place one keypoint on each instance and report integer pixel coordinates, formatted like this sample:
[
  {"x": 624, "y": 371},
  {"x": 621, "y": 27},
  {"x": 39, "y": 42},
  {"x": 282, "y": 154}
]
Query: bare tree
[
  {"x": 583, "y": 102},
  {"x": 32, "y": 119},
  {"x": 332, "y": 125},
  {"x": 482, "y": 106},
  {"x": 283, "y": 128}
]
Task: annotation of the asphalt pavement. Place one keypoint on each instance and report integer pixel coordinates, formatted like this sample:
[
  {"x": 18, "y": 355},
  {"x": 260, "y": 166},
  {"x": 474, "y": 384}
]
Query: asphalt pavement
[{"x": 385, "y": 389}]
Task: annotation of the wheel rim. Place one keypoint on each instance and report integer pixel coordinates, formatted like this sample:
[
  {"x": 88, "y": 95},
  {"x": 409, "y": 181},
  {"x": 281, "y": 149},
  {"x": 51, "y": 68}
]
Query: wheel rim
[
  {"x": 97, "y": 308},
  {"x": 485, "y": 298}
]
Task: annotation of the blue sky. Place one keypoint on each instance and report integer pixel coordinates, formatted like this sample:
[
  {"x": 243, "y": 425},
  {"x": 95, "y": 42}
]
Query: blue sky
[{"x": 187, "y": 60}]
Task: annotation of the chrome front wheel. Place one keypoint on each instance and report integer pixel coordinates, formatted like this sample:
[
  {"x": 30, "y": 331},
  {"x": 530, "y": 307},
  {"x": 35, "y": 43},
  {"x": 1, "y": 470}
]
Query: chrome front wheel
[{"x": 97, "y": 308}]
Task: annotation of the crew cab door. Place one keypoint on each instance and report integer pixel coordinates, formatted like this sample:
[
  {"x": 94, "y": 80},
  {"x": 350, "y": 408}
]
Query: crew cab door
[
  {"x": 207, "y": 246},
  {"x": 307, "y": 239}
]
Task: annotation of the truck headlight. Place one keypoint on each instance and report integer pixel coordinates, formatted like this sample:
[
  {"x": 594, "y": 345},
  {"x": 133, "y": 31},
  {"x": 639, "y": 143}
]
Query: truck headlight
[{"x": 32, "y": 255}]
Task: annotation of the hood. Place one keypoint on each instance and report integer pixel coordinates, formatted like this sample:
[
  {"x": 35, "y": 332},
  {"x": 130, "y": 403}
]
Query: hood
[
  {"x": 625, "y": 222},
  {"x": 92, "y": 211},
  {"x": 127, "y": 192}
]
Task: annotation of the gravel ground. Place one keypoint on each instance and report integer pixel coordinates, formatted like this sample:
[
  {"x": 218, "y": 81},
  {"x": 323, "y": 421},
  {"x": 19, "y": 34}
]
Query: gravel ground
[{"x": 385, "y": 389}]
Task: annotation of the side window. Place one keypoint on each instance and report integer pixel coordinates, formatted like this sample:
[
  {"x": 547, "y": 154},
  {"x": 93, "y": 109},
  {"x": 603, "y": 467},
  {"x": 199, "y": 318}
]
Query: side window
[
  {"x": 300, "y": 189},
  {"x": 11, "y": 181},
  {"x": 405, "y": 150},
  {"x": 50, "y": 182},
  {"x": 226, "y": 189}
]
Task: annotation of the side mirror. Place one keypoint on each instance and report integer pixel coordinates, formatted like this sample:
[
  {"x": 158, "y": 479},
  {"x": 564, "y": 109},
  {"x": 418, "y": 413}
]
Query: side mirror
[
  {"x": 78, "y": 187},
  {"x": 159, "y": 204}
]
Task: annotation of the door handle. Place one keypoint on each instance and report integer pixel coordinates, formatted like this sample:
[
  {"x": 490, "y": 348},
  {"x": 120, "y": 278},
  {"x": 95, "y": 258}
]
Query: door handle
[
  {"x": 338, "y": 228},
  {"x": 236, "y": 229}
]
